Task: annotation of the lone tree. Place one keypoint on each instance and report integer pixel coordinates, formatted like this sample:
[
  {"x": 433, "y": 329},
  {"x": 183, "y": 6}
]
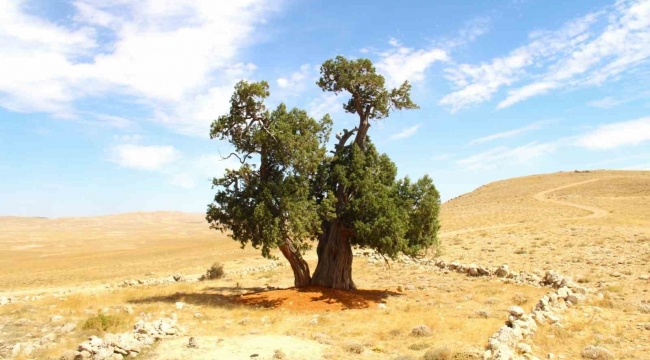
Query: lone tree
[{"x": 300, "y": 194}]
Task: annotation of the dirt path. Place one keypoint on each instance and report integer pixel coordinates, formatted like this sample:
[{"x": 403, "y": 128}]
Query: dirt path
[
  {"x": 541, "y": 196},
  {"x": 596, "y": 212}
]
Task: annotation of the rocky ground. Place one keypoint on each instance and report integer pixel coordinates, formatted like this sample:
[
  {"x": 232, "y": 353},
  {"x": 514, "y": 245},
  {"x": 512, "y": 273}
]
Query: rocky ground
[{"x": 547, "y": 267}]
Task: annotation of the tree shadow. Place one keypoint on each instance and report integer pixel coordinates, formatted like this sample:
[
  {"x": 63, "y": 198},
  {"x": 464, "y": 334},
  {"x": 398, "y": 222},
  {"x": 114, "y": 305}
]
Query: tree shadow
[
  {"x": 309, "y": 298},
  {"x": 312, "y": 298},
  {"x": 351, "y": 299},
  {"x": 204, "y": 299}
]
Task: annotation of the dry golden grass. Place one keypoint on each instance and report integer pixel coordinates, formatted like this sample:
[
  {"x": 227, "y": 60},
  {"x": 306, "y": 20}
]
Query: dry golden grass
[
  {"x": 37, "y": 253},
  {"x": 593, "y": 226}
]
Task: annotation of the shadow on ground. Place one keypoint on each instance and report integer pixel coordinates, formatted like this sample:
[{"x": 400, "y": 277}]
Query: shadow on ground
[{"x": 311, "y": 298}]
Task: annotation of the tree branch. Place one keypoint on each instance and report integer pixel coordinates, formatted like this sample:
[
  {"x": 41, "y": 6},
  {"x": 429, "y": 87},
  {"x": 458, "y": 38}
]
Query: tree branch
[
  {"x": 237, "y": 156},
  {"x": 344, "y": 138}
]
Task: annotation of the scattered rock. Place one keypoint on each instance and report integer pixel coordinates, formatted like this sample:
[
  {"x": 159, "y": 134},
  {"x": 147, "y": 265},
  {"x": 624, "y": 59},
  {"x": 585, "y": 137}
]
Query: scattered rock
[
  {"x": 502, "y": 271},
  {"x": 179, "y": 305},
  {"x": 353, "y": 347},
  {"x": 421, "y": 331},
  {"x": 523, "y": 348},
  {"x": 516, "y": 311},
  {"x": 69, "y": 355},
  {"x": 193, "y": 343},
  {"x": 596, "y": 353}
]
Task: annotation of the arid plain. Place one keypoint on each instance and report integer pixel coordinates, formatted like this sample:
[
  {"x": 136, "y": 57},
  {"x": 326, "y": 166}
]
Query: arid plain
[{"x": 593, "y": 226}]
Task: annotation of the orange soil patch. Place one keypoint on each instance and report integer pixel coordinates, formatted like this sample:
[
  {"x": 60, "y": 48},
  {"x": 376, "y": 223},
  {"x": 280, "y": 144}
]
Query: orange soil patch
[{"x": 314, "y": 298}]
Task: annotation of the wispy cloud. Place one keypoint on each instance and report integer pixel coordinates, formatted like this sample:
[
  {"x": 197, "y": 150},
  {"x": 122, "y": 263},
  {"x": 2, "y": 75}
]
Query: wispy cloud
[
  {"x": 605, "y": 103},
  {"x": 406, "y": 133},
  {"x": 401, "y": 63},
  {"x": 503, "y": 155},
  {"x": 511, "y": 133},
  {"x": 297, "y": 79},
  {"x": 566, "y": 58},
  {"x": 71, "y": 60},
  {"x": 618, "y": 134},
  {"x": 201, "y": 170},
  {"x": 326, "y": 103},
  {"x": 477, "y": 83},
  {"x": 143, "y": 157}
]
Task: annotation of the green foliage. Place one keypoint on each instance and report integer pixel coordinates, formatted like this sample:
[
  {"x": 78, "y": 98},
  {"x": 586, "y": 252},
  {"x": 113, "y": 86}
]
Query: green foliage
[
  {"x": 103, "y": 323},
  {"x": 370, "y": 98},
  {"x": 266, "y": 201},
  {"x": 387, "y": 215},
  {"x": 289, "y": 188},
  {"x": 357, "y": 185}
]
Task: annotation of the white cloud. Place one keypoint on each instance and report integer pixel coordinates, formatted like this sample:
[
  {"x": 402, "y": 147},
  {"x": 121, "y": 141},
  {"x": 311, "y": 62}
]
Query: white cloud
[
  {"x": 622, "y": 45},
  {"x": 478, "y": 83},
  {"x": 143, "y": 157},
  {"x": 614, "y": 135},
  {"x": 406, "y": 133},
  {"x": 113, "y": 121},
  {"x": 297, "y": 79},
  {"x": 508, "y": 134},
  {"x": 503, "y": 155},
  {"x": 326, "y": 103},
  {"x": 605, "y": 103},
  {"x": 201, "y": 170},
  {"x": 401, "y": 63},
  {"x": 164, "y": 54}
]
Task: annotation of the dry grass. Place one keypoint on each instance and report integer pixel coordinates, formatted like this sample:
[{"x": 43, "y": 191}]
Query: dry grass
[{"x": 499, "y": 223}]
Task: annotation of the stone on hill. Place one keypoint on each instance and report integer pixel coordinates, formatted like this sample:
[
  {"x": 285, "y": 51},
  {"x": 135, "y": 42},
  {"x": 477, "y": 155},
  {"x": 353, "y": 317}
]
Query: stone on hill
[
  {"x": 421, "y": 331},
  {"x": 502, "y": 271},
  {"x": 596, "y": 353}
]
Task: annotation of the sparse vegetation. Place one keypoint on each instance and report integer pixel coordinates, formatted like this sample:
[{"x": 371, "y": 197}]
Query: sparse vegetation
[
  {"x": 520, "y": 298},
  {"x": 104, "y": 323},
  {"x": 214, "y": 272},
  {"x": 615, "y": 321},
  {"x": 442, "y": 353}
]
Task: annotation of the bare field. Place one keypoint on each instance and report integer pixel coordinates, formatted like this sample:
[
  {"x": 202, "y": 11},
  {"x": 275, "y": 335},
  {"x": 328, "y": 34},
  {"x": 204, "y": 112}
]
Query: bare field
[
  {"x": 38, "y": 253},
  {"x": 592, "y": 226}
]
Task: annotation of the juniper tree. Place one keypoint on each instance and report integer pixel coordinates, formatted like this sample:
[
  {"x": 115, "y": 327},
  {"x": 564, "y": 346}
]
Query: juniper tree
[
  {"x": 289, "y": 191},
  {"x": 266, "y": 202},
  {"x": 360, "y": 201}
]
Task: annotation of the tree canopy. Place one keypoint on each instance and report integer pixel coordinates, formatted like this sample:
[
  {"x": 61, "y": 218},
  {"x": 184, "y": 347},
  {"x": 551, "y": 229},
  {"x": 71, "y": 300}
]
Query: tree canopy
[{"x": 290, "y": 192}]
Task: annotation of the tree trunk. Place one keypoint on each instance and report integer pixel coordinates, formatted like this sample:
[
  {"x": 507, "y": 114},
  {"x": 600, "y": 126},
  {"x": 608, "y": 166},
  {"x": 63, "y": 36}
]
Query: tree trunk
[
  {"x": 298, "y": 264},
  {"x": 334, "y": 269}
]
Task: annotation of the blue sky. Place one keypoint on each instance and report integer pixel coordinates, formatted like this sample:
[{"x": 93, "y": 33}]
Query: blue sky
[{"x": 105, "y": 105}]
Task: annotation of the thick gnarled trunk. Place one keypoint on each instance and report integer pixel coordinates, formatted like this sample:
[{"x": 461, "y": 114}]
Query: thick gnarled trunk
[
  {"x": 298, "y": 264},
  {"x": 334, "y": 269}
]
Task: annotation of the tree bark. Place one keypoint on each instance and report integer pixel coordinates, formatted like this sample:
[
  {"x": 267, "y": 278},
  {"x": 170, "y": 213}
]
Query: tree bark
[
  {"x": 334, "y": 269},
  {"x": 298, "y": 264}
]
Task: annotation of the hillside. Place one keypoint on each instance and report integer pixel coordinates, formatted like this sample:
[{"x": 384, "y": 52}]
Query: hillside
[{"x": 591, "y": 226}]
